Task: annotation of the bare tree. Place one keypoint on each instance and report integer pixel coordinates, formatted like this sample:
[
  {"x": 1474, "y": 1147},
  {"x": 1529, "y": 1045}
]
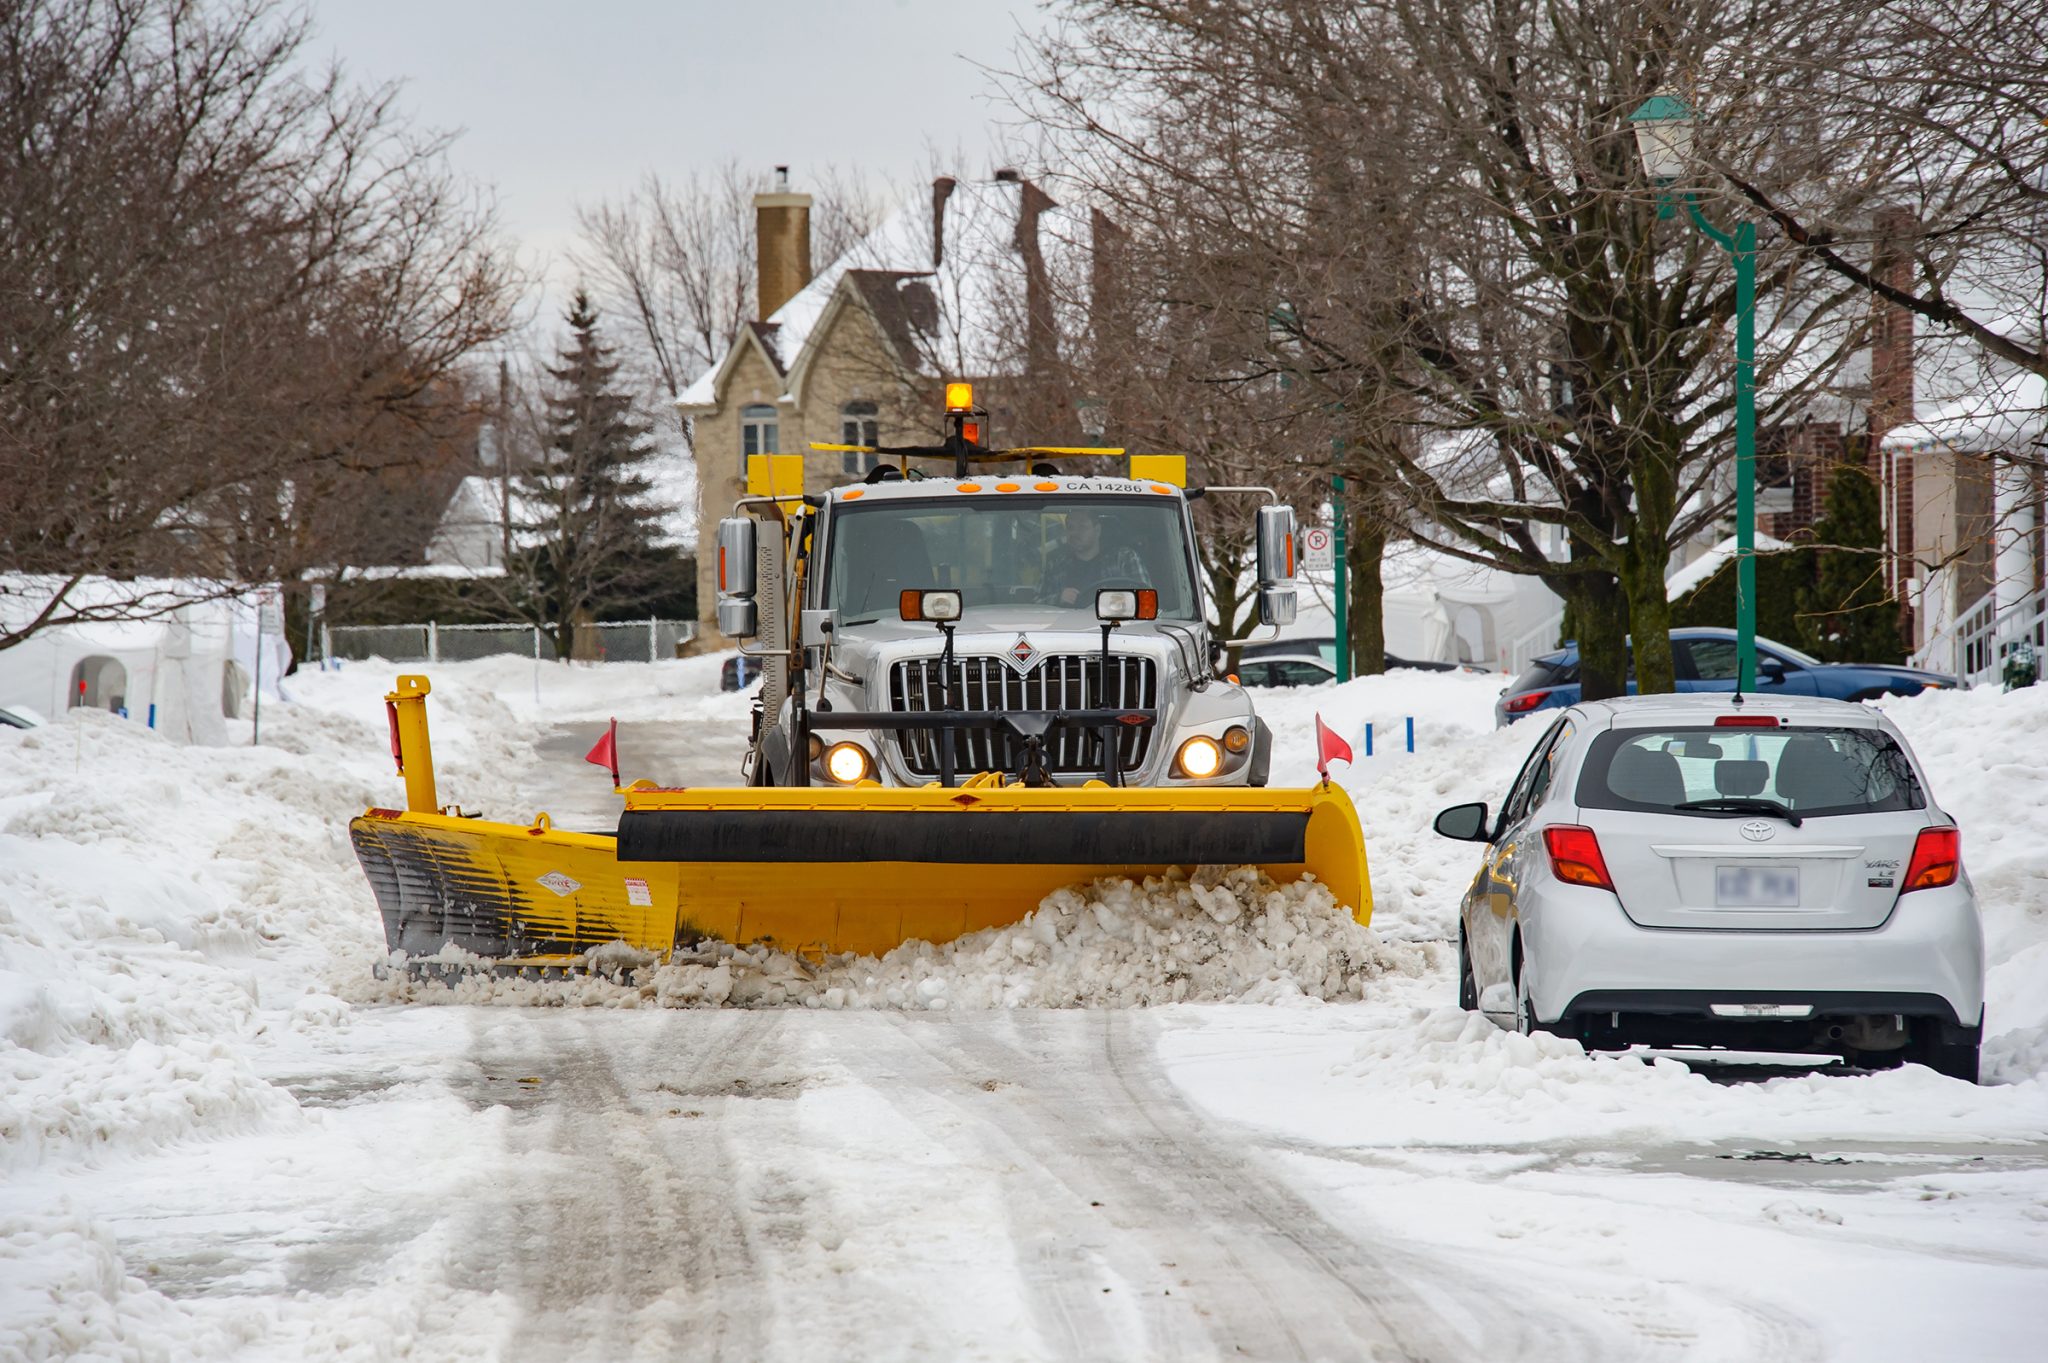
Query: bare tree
[
  {"x": 223, "y": 286},
  {"x": 1440, "y": 238},
  {"x": 678, "y": 257},
  {"x": 1935, "y": 108}
]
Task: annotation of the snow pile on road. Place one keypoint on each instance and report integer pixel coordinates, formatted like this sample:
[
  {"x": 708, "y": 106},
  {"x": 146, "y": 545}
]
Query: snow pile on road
[
  {"x": 1435, "y": 1075},
  {"x": 1446, "y": 1076},
  {"x": 1220, "y": 936},
  {"x": 1417, "y": 877}
]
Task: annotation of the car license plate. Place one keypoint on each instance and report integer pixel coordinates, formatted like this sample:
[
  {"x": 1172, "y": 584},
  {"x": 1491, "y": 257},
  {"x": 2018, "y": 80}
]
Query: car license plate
[{"x": 1756, "y": 887}]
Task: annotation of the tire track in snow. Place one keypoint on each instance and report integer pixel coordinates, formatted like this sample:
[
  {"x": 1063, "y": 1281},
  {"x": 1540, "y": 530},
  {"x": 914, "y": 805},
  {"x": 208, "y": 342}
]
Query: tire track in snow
[
  {"x": 622, "y": 1235},
  {"x": 1225, "y": 1261}
]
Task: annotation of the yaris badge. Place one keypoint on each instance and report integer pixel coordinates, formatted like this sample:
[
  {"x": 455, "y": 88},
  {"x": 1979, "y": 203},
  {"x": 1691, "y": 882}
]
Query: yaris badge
[
  {"x": 1759, "y": 830},
  {"x": 1023, "y": 653}
]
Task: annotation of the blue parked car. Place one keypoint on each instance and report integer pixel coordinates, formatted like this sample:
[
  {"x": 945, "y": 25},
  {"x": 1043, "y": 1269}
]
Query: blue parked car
[{"x": 1704, "y": 660}]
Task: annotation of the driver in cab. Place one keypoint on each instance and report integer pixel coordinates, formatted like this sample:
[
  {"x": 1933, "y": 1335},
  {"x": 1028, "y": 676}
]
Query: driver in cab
[{"x": 1079, "y": 565}]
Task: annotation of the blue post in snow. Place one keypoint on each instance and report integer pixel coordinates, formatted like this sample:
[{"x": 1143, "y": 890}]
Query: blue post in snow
[
  {"x": 1411, "y": 733},
  {"x": 1368, "y": 740},
  {"x": 152, "y": 714}
]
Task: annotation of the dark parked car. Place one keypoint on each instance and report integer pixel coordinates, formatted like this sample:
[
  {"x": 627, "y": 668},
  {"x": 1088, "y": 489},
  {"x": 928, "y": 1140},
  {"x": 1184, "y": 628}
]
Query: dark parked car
[
  {"x": 1324, "y": 646},
  {"x": 1704, "y": 660}
]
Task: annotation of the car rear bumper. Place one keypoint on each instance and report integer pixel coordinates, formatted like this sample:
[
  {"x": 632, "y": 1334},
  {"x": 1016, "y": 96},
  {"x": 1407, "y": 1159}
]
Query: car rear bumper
[{"x": 1583, "y": 949}]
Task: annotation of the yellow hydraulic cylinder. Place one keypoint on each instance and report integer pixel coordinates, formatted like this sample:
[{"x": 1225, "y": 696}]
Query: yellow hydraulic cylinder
[{"x": 407, "y": 708}]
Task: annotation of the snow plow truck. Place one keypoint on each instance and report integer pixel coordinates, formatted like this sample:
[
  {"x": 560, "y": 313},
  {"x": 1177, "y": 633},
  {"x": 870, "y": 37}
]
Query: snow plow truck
[{"x": 977, "y": 686}]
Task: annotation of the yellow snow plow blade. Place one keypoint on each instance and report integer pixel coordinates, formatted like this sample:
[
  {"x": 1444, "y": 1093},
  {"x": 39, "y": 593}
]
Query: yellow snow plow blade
[{"x": 815, "y": 870}]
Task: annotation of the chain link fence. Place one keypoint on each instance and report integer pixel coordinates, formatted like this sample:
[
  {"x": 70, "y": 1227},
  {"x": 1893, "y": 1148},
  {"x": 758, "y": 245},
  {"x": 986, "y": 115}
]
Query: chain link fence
[{"x": 632, "y": 641}]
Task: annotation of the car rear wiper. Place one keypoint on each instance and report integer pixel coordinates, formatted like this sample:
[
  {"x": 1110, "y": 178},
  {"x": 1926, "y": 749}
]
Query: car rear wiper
[{"x": 1744, "y": 804}]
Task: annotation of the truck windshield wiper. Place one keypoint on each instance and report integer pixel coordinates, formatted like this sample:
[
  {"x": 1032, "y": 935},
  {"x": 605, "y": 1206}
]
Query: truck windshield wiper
[{"x": 1743, "y": 804}]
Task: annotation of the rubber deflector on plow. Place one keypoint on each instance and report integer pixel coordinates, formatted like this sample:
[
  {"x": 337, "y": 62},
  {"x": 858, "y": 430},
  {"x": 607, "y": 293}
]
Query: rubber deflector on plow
[{"x": 810, "y": 870}]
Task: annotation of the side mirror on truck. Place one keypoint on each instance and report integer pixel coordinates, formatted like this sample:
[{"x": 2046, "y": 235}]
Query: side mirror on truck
[
  {"x": 1276, "y": 565},
  {"x": 739, "y": 616}
]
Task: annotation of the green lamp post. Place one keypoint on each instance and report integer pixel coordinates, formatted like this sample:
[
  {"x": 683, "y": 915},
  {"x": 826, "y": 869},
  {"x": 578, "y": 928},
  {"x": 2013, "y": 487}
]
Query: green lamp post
[{"x": 1664, "y": 130}]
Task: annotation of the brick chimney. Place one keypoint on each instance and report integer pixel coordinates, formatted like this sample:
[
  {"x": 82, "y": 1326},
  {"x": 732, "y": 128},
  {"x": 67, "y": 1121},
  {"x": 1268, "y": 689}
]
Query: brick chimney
[
  {"x": 1891, "y": 329},
  {"x": 942, "y": 190},
  {"x": 1041, "y": 333},
  {"x": 782, "y": 243}
]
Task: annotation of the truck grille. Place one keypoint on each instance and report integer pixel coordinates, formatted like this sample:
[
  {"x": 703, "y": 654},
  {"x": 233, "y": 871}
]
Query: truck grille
[{"x": 1062, "y": 681}]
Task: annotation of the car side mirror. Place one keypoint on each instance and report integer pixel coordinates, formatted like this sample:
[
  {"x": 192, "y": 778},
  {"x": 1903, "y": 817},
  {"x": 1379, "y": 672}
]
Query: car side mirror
[
  {"x": 1770, "y": 669},
  {"x": 1276, "y": 606},
  {"x": 1465, "y": 823}
]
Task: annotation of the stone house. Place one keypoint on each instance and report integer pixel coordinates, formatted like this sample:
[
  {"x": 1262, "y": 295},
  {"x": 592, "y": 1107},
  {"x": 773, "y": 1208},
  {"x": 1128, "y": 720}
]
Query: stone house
[{"x": 977, "y": 282}]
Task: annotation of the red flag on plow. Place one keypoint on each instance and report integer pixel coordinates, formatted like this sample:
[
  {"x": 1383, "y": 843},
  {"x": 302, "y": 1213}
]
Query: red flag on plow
[
  {"x": 605, "y": 752},
  {"x": 1329, "y": 748}
]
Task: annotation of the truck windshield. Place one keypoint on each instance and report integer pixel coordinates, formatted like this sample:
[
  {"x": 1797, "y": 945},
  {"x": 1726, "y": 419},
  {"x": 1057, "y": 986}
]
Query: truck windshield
[{"x": 1031, "y": 551}]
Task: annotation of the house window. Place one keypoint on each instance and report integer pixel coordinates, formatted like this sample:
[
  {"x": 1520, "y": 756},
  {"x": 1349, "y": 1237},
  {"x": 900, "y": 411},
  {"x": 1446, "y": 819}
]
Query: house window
[
  {"x": 757, "y": 432},
  {"x": 857, "y": 426}
]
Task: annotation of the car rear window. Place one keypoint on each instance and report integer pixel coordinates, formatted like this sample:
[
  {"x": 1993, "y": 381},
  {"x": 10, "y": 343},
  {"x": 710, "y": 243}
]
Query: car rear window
[
  {"x": 1546, "y": 672},
  {"x": 1812, "y": 771}
]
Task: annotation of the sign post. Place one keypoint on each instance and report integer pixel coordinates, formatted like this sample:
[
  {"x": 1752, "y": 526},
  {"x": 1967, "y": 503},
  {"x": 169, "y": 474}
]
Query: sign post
[
  {"x": 269, "y": 616},
  {"x": 1343, "y": 603}
]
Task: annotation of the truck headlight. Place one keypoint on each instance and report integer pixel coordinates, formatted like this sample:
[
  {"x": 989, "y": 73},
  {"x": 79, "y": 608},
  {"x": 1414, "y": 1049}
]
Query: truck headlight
[
  {"x": 1200, "y": 757},
  {"x": 847, "y": 763}
]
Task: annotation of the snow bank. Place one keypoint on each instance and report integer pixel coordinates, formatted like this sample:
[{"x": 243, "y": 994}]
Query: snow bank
[
  {"x": 1982, "y": 750},
  {"x": 1224, "y": 935}
]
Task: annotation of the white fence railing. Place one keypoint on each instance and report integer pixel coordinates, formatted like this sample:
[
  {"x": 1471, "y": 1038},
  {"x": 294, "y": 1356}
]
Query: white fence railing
[
  {"x": 1974, "y": 647},
  {"x": 1531, "y": 644},
  {"x": 631, "y": 641}
]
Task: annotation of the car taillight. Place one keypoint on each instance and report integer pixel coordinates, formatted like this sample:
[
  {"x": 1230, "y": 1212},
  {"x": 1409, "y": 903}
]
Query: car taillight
[
  {"x": 1575, "y": 856},
  {"x": 1745, "y": 721},
  {"x": 1937, "y": 859},
  {"x": 1524, "y": 703}
]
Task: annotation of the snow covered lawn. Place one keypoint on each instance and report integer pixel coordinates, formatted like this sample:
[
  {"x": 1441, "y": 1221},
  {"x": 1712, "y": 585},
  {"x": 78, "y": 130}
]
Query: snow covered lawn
[{"x": 220, "y": 1137}]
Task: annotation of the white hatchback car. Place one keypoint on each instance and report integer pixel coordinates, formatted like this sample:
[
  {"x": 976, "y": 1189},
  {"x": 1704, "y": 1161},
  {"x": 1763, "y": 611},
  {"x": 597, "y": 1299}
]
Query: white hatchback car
[{"x": 1765, "y": 874}]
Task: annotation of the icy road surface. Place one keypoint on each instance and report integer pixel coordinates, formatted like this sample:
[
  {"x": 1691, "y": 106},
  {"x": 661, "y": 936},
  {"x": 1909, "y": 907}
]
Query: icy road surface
[{"x": 221, "y": 1138}]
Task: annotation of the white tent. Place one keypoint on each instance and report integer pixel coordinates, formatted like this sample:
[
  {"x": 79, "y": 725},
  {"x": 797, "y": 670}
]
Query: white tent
[
  {"x": 1436, "y": 608},
  {"x": 185, "y": 673}
]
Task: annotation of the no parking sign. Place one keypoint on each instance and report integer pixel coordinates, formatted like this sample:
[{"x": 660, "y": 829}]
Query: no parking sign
[{"x": 1318, "y": 549}]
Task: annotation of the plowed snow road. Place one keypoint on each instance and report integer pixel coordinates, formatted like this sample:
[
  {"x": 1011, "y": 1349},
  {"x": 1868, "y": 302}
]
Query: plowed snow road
[{"x": 1018, "y": 1185}]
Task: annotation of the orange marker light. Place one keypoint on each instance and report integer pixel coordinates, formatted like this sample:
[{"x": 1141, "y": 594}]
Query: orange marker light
[
  {"x": 853, "y": 495},
  {"x": 1006, "y": 487},
  {"x": 959, "y": 397},
  {"x": 1162, "y": 488},
  {"x": 968, "y": 487},
  {"x": 1047, "y": 487}
]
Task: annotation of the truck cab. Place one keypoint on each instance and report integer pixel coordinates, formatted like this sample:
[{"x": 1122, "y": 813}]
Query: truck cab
[{"x": 1045, "y": 628}]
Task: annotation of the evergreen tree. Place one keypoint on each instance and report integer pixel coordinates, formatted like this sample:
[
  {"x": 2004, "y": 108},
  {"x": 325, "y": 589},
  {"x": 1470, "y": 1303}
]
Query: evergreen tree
[
  {"x": 1782, "y": 577},
  {"x": 589, "y": 522},
  {"x": 1847, "y": 614}
]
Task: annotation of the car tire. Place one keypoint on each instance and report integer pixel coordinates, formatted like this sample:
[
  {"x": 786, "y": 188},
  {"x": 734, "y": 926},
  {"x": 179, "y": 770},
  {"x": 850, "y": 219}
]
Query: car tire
[
  {"x": 1525, "y": 1008},
  {"x": 1953, "y": 1051},
  {"x": 1468, "y": 988}
]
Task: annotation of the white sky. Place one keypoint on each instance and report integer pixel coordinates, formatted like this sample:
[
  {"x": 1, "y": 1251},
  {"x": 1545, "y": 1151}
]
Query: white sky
[{"x": 562, "y": 102}]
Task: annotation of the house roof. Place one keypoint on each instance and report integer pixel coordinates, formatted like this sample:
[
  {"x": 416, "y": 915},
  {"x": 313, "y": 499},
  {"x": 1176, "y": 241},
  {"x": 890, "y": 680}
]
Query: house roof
[
  {"x": 2006, "y": 416},
  {"x": 960, "y": 313}
]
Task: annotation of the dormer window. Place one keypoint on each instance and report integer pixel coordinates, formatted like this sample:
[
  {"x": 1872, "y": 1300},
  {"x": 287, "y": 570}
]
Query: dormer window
[
  {"x": 858, "y": 426},
  {"x": 757, "y": 432}
]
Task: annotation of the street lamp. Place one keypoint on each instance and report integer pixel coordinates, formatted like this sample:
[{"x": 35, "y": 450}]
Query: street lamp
[{"x": 1663, "y": 126}]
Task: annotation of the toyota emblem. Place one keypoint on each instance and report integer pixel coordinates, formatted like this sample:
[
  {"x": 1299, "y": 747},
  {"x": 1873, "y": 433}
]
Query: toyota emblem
[{"x": 1759, "y": 830}]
